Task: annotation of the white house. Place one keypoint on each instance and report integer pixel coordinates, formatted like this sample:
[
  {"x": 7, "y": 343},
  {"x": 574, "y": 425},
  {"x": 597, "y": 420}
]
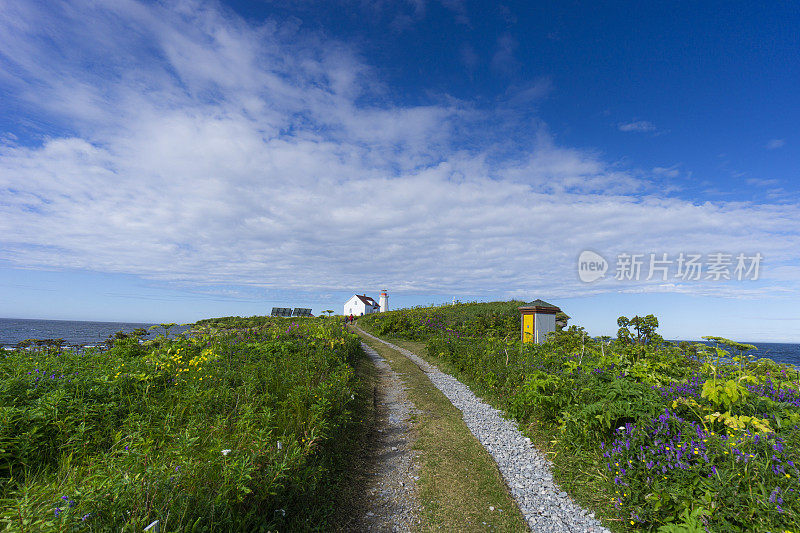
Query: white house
[{"x": 361, "y": 304}]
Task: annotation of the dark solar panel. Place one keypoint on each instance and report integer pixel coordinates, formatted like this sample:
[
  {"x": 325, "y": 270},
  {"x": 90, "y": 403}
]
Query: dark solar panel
[
  {"x": 281, "y": 311},
  {"x": 302, "y": 311}
]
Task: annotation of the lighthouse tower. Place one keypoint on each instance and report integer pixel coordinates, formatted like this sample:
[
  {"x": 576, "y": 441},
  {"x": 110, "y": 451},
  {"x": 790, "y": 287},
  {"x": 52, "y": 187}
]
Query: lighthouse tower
[{"x": 384, "y": 301}]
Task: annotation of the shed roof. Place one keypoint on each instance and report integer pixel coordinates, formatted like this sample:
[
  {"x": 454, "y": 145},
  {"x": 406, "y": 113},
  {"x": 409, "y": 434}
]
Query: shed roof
[{"x": 539, "y": 303}]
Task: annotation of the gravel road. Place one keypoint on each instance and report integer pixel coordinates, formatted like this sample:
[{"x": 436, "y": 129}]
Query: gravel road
[{"x": 526, "y": 472}]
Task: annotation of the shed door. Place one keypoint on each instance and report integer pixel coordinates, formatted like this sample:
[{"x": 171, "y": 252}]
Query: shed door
[{"x": 527, "y": 328}]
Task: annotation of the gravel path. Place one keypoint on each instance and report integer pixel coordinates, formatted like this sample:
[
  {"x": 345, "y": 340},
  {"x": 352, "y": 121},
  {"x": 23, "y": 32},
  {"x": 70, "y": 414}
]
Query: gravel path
[
  {"x": 526, "y": 472},
  {"x": 391, "y": 490}
]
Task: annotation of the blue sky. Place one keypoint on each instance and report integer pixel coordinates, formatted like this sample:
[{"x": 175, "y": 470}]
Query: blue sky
[{"x": 177, "y": 160}]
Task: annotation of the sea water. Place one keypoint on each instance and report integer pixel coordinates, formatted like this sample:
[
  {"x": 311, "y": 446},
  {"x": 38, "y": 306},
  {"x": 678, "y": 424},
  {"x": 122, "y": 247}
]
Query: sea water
[{"x": 74, "y": 332}]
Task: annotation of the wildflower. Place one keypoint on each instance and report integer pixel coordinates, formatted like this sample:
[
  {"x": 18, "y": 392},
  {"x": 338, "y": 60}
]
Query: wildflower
[{"x": 225, "y": 452}]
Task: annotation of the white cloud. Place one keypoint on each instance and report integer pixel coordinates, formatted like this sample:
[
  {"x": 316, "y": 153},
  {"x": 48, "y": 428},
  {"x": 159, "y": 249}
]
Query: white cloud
[
  {"x": 637, "y": 126},
  {"x": 469, "y": 58},
  {"x": 201, "y": 149},
  {"x": 775, "y": 143},
  {"x": 758, "y": 182},
  {"x": 503, "y": 60},
  {"x": 458, "y": 9},
  {"x": 669, "y": 172},
  {"x": 530, "y": 93}
]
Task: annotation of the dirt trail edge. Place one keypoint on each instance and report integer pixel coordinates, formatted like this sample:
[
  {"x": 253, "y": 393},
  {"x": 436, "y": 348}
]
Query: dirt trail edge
[
  {"x": 393, "y": 504},
  {"x": 525, "y": 471}
]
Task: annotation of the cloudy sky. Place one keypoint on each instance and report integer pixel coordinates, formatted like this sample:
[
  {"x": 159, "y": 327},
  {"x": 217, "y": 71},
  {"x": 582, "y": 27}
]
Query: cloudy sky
[{"x": 178, "y": 160}]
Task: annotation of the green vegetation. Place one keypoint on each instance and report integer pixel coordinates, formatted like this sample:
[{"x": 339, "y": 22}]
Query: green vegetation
[
  {"x": 650, "y": 435},
  {"x": 460, "y": 488},
  {"x": 242, "y": 425}
]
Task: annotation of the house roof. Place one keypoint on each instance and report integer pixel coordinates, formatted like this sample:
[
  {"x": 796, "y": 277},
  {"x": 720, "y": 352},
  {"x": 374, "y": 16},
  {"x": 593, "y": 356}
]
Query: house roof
[{"x": 367, "y": 300}]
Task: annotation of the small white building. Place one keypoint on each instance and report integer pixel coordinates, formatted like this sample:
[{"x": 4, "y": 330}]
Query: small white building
[{"x": 361, "y": 304}]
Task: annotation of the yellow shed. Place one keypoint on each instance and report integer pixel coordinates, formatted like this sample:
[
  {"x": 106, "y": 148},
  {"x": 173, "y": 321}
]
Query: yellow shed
[{"x": 538, "y": 319}]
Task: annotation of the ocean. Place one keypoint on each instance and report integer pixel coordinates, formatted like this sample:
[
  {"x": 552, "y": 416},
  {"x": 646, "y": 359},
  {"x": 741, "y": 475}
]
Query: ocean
[
  {"x": 780, "y": 352},
  {"x": 76, "y": 333},
  {"x": 788, "y": 353}
]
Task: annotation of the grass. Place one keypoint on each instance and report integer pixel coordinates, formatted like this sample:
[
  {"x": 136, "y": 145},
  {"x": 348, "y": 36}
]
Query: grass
[
  {"x": 459, "y": 480},
  {"x": 350, "y": 497},
  {"x": 244, "y": 425}
]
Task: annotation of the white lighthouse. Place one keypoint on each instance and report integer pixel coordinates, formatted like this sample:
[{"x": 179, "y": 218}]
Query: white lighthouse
[{"x": 384, "y": 301}]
